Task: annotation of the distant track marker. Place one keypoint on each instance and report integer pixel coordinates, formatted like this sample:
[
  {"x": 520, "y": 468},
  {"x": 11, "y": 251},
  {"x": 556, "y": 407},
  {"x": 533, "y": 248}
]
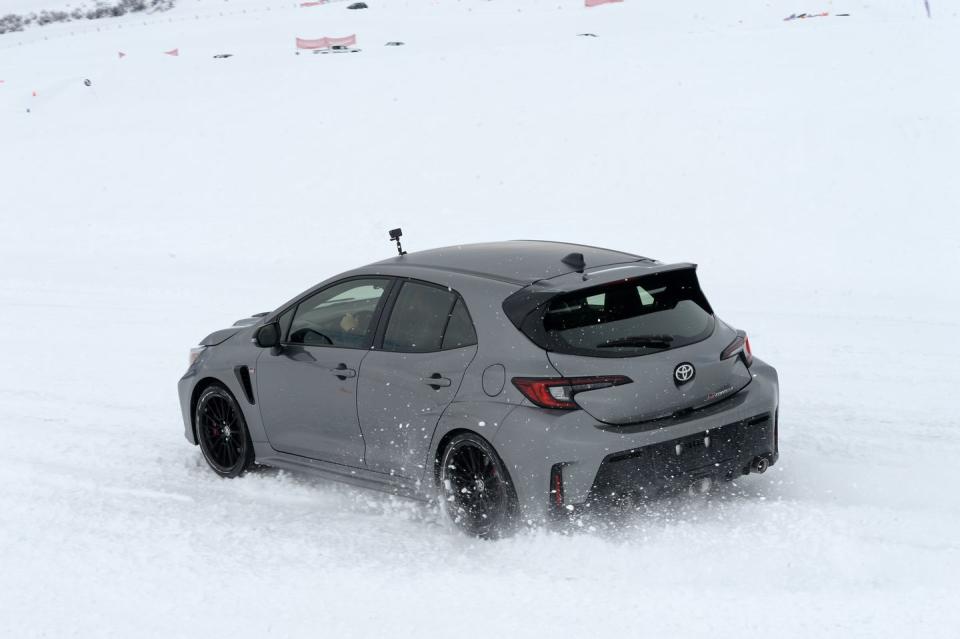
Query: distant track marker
[{"x": 326, "y": 43}]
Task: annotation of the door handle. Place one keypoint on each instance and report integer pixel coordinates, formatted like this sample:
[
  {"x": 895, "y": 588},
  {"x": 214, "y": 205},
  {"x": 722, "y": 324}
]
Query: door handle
[
  {"x": 342, "y": 372},
  {"x": 436, "y": 381}
]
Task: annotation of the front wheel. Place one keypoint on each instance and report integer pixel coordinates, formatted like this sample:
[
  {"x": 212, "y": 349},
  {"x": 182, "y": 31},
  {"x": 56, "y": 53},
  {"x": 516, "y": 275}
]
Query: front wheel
[
  {"x": 476, "y": 490},
  {"x": 222, "y": 433}
]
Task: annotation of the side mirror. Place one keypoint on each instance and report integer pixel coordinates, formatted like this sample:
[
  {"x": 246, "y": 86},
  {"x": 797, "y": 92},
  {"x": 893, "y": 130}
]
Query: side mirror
[{"x": 268, "y": 336}]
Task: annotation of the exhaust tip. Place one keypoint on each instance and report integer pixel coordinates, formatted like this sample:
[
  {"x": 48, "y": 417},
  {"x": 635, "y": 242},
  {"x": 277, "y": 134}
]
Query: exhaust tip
[{"x": 760, "y": 465}]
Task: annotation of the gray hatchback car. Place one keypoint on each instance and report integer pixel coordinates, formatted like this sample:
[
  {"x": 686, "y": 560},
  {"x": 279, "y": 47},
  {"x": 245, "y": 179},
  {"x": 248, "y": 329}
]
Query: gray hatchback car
[{"x": 517, "y": 381}]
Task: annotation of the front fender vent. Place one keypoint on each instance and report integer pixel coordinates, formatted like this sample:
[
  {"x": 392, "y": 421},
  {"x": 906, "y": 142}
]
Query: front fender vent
[{"x": 243, "y": 376}]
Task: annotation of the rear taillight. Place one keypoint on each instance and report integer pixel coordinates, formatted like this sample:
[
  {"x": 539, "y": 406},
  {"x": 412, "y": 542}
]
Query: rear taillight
[
  {"x": 739, "y": 346},
  {"x": 558, "y": 392}
]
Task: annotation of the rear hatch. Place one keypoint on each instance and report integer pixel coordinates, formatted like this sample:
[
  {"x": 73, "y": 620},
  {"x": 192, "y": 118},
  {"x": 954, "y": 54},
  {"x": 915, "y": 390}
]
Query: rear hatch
[{"x": 656, "y": 329}]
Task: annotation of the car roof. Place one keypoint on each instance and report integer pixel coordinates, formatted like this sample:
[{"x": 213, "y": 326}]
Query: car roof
[{"x": 515, "y": 261}]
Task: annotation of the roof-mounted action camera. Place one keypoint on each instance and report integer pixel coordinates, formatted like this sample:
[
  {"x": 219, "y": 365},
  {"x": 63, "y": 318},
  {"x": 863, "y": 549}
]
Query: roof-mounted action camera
[{"x": 395, "y": 236}]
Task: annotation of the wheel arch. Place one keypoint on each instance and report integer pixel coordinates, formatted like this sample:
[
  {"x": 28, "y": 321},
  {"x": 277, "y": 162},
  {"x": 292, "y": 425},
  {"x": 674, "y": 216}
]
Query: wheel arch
[
  {"x": 198, "y": 389},
  {"x": 449, "y": 436},
  {"x": 479, "y": 418},
  {"x": 442, "y": 446}
]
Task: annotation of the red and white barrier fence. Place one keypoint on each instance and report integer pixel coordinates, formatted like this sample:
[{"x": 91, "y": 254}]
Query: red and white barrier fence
[{"x": 326, "y": 43}]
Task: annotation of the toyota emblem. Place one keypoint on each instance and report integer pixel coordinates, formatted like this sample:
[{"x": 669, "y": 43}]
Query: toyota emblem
[{"x": 683, "y": 373}]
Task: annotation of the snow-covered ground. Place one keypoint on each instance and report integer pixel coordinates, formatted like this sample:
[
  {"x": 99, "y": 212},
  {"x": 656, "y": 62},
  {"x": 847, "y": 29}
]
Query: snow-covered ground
[{"x": 809, "y": 167}]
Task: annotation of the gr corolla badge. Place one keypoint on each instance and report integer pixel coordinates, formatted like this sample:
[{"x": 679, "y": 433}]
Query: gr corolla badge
[{"x": 517, "y": 381}]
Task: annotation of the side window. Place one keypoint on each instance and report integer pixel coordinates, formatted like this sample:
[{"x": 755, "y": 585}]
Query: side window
[
  {"x": 418, "y": 319},
  {"x": 426, "y": 319},
  {"x": 339, "y": 315},
  {"x": 460, "y": 330}
]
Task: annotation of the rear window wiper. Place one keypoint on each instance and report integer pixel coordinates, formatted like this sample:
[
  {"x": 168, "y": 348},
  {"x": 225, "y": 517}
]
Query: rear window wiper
[{"x": 655, "y": 341}]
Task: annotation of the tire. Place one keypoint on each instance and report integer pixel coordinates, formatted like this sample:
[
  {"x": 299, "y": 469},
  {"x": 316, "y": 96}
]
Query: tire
[
  {"x": 222, "y": 432},
  {"x": 476, "y": 491}
]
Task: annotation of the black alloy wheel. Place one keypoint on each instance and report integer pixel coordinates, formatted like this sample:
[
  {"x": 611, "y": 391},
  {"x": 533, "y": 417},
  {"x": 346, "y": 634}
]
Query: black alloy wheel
[
  {"x": 476, "y": 490},
  {"x": 222, "y": 432}
]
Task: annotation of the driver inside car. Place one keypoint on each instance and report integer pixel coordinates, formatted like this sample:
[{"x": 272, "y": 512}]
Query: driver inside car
[{"x": 349, "y": 323}]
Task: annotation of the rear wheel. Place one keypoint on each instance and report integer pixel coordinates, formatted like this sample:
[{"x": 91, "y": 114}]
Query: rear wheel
[
  {"x": 222, "y": 432},
  {"x": 477, "y": 493}
]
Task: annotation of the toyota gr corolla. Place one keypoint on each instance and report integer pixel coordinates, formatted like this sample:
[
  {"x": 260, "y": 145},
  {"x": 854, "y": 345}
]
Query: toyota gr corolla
[{"x": 516, "y": 381}]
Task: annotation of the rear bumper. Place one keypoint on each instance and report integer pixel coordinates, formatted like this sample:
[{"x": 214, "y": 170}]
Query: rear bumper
[
  {"x": 597, "y": 462},
  {"x": 648, "y": 472}
]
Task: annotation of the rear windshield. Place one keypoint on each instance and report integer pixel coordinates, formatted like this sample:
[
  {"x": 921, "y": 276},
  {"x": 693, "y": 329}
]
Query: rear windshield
[{"x": 629, "y": 318}]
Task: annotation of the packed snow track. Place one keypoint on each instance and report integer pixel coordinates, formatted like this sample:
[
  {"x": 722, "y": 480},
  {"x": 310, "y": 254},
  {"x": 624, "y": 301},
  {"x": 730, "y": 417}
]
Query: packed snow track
[{"x": 808, "y": 166}]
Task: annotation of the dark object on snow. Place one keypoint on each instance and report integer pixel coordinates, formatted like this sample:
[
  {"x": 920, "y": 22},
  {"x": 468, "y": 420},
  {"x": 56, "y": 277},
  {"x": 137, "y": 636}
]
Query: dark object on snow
[
  {"x": 842, "y": 15},
  {"x": 358, "y": 5},
  {"x": 87, "y": 83},
  {"x": 221, "y": 56},
  {"x": 806, "y": 16},
  {"x": 587, "y": 35},
  {"x": 337, "y": 48},
  {"x": 394, "y": 43}
]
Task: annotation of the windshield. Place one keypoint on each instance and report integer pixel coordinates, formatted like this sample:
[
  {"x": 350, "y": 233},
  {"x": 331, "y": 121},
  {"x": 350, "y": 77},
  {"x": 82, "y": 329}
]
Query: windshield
[{"x": 630, "y": 318}]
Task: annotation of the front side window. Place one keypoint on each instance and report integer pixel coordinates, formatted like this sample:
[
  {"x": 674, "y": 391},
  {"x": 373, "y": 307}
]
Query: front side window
[
  {"x": 426, "y": 319},
  {"x": 340, "y": 315}
]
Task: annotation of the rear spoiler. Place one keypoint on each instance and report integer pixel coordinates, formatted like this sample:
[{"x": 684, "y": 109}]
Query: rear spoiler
[{"x": 520, "y": 305}]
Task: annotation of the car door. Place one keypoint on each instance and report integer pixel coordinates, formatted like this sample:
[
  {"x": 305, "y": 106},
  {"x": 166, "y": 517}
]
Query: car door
[
  {"x": 409, "y": 380},
  {"x": 308, "y": 386}
]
